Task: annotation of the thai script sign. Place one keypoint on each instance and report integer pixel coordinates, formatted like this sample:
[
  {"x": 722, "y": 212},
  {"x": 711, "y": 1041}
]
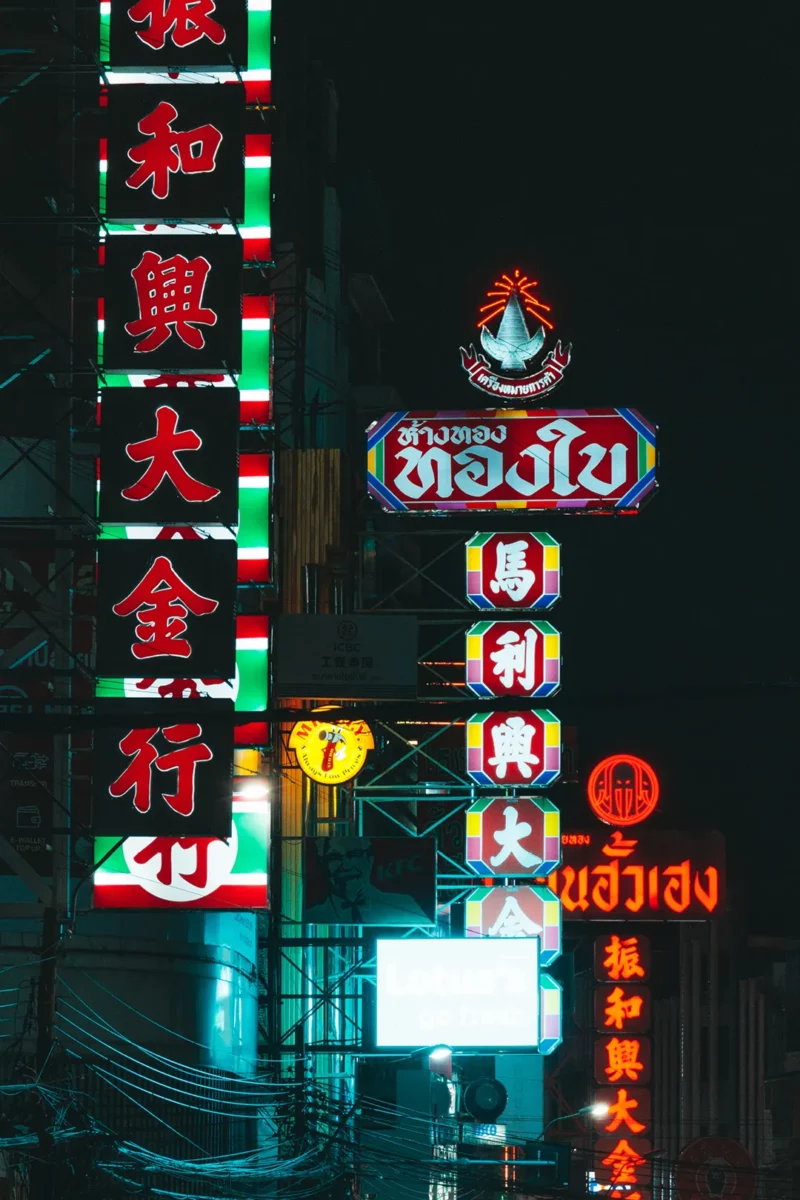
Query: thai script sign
[{"x": 582, "y": 459}]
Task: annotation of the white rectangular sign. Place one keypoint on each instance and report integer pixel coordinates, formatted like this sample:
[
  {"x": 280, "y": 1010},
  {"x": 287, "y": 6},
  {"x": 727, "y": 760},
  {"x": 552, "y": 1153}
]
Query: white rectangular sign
[{"x": 464, "y": 992}]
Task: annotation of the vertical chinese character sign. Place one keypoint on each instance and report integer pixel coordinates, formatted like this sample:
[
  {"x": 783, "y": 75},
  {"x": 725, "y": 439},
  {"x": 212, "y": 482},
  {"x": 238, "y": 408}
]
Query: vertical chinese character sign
[
  {"x": 622, "y": 1060},
  {"x": 183, "y": 514}
]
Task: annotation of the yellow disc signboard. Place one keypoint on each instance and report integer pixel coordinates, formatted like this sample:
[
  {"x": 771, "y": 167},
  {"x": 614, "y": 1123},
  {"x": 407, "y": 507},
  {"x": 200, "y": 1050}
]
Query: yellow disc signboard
[{"x": 331, "y": 752}]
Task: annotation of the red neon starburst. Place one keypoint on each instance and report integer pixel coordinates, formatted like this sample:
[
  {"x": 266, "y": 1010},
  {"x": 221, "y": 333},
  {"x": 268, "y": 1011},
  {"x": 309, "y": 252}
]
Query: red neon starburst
[{"x": 523, "y": 286}]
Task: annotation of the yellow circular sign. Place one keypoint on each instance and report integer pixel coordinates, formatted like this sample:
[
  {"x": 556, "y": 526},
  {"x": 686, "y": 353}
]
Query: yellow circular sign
[{"x": 331, "y": 752}]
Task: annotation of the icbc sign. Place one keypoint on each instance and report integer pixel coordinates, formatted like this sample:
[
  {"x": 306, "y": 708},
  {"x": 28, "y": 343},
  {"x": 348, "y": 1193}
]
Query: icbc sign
[{"x": 513, "y": 570}]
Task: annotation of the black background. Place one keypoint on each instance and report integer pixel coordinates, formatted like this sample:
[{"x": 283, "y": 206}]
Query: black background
[
  {"x": 214, "y": 196},
  {"x": 213, "y": 797},
  {"x": 127, "y": 50},
  {"x": 640, "y": 167},
  {"x": 207, "y": 566},
  {"x": 129, "y": 415},
  {"x": 223, "y": 342}
]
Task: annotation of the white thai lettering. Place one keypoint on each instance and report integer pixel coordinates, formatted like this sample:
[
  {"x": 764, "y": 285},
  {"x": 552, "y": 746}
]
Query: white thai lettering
[
  {"x": 477, "y": 477},
  {"x": 619, "y": 468},
  {"x": 433, "y": 470}
]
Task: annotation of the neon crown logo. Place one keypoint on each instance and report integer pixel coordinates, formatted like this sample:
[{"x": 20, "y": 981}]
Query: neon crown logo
[{"x": 513, "y": 346}]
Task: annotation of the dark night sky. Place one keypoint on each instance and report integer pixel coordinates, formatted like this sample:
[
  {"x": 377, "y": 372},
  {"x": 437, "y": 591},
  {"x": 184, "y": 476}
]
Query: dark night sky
[{"x": 640, "y": 166}]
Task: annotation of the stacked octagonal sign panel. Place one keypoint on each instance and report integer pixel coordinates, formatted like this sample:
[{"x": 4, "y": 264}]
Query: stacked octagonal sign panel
[
  {"x": 182, "y": 497},
  {"x": 515, "y": 836}
]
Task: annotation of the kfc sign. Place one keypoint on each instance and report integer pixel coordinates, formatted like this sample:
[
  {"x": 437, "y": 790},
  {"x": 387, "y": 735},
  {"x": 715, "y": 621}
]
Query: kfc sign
[
  {"x": 168, "y": 776},
  {"x": 169, "y": 461},
  {"x": 582, "y": 459},
  {"x": 513, "y": 570},
  {"x": 173, "y": 304},
  {"x": 167, "y": 608},
  {"x": 175, "y": 155},
  {"x": 160, "y": 35}
]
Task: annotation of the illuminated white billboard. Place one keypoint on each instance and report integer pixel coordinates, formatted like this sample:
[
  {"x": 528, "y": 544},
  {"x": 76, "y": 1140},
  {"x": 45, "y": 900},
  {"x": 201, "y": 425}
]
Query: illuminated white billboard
[{"x": 465, "y": 992}]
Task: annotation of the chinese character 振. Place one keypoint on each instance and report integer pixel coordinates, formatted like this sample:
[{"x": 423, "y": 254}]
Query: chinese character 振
[
  {"x": 187, "y": 21},
  {"x": 623, "y": 961}
]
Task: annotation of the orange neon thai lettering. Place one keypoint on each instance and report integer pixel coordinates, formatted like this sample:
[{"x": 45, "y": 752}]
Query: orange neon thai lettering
[
  {"x": 709, "y": 898},
  {"x": 635, "y": 902},
  {"x": 677, "y": 895},
  {"x": 568, "y": 878},
  {"x": 652, "y": 887},
  {"x": 605, "y": 893}
]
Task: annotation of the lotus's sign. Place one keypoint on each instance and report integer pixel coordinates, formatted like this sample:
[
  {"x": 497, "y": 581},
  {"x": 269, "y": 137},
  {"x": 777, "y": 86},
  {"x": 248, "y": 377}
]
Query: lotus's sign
[{"x": 582, "y": 459}]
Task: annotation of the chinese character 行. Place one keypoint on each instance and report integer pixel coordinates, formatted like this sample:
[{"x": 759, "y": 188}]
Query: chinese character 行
[
  {"x": 162, "y": 848},
  {"x": 137, "y": 776}
]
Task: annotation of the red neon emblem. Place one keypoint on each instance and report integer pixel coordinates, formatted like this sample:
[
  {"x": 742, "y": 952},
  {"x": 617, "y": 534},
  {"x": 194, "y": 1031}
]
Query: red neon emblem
[
  {"x": 161, "y": 452},
  {"x": 522, "y": 286},
  {"x": 187, "y": 21},
  {"x": 137, "y": 776},
  {"x": 193, "y": 152},
  {"x": 162, "y": 601},
  {"x": 623, "y": 790},
  {"x": 169, "y": 293}
]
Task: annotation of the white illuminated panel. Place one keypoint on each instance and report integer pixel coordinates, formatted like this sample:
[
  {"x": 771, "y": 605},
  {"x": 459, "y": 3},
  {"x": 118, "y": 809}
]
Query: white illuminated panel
[{"x": 465, "y": 992}]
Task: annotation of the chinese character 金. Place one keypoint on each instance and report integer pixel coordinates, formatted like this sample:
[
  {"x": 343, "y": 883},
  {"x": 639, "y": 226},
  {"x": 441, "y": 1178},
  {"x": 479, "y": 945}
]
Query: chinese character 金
[
  {"x": 162, "y": 601},
  {"x": 193, "y": 152},
  {"x": 137, "y": 776},
  {"x": 169, "y": 293},
  {"x": 186, "y": 21},
  {"x": 161, "y": 451},
  {"x": 623, "y": 1161}
]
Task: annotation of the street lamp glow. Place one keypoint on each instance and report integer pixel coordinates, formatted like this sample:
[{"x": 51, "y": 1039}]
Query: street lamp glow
[
  {"x": 254, "y": 789},
  {"x": 599, "y": 1109},
  {"x": 440, "y": 1053}
]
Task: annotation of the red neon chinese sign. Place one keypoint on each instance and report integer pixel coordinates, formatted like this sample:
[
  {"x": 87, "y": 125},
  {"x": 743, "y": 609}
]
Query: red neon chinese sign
[{"x": 623, "y": 790}]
